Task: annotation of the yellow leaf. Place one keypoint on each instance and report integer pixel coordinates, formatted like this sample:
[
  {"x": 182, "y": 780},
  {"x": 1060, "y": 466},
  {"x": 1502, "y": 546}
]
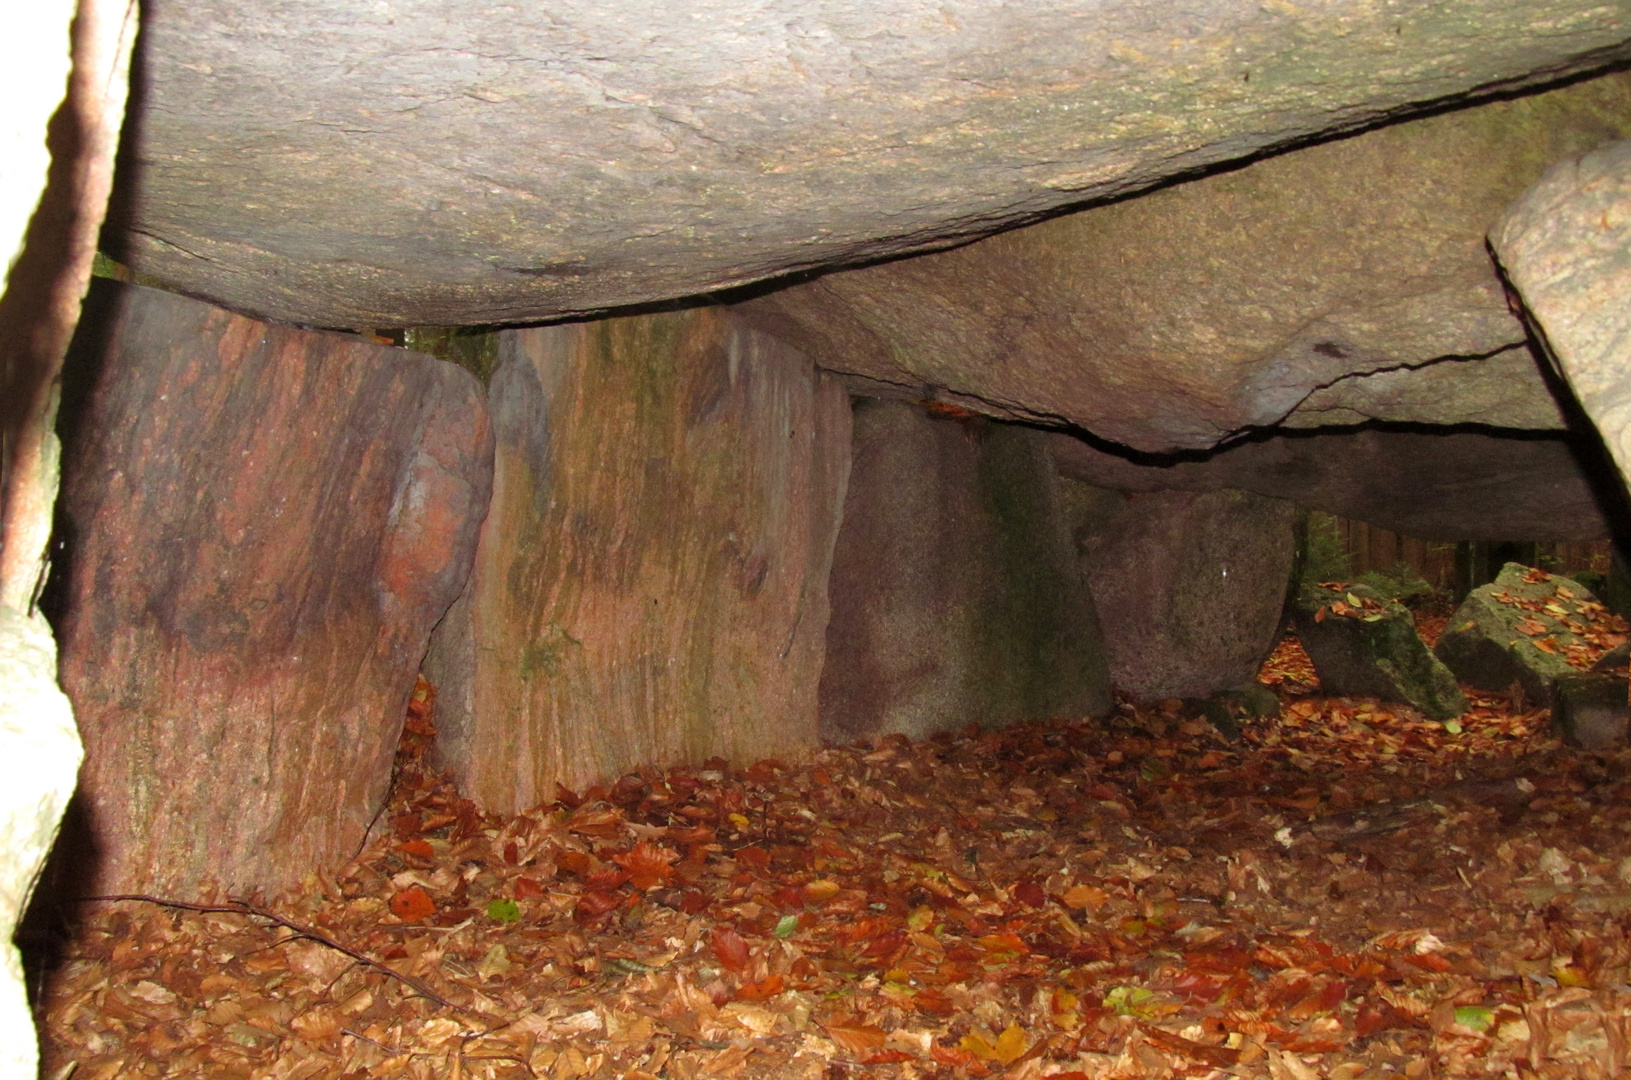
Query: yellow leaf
[
  {"x": 1010, "y": 1044},
  {"x": 977, "y": 1046},
  {"x": 1008, "y": 1047}
]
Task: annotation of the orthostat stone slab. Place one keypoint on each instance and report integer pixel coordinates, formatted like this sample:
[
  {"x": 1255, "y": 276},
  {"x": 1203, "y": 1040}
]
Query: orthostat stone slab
[{"x": 261, "y": 526}]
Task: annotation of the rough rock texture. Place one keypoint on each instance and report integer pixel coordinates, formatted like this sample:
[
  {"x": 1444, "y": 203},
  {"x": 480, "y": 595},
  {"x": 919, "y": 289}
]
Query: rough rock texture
[
  {"x": 1566, "y": 247},
  {"x": 1364, "y": 646},
  {"x": 1189, "y": 585},
  {"x": 39, "y": 761},
  {"x": 1516, "y": 629},
  {"x": 263, "y": 526},
  {"x": 1450, "y": 486},
  {"x": 651, "y": 583},
  {"x": 956, "y": 597},
  {"x": 45, "y": 279},
  {"x": 56, "y": 166},
  {"x": 1590, "y": 709},
  {"x": 347, "y": 162},
  {"x": 1307, "y": 288}
]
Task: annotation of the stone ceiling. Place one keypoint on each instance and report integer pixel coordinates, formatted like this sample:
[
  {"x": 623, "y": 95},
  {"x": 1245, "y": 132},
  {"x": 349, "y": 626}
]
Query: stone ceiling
[{"x": 378, "y": 163}]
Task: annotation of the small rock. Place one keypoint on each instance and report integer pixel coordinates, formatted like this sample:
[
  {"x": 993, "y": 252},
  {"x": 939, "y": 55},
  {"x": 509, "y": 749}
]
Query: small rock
[
  {"x": 1519, "y": 628},
  {"x": 1363, "y": 646},
  {"x": 1589, "y": 709}
]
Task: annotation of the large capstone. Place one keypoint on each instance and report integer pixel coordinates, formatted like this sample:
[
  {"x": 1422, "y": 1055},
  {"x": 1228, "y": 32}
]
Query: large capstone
[
  {"x": 1346, "y": 282},
  {"x": 956, "y": 597},
  {"x": 1456, "y": 485},
  {"x": 262, "y": 524},
  {"x": 359, "y": 163}
]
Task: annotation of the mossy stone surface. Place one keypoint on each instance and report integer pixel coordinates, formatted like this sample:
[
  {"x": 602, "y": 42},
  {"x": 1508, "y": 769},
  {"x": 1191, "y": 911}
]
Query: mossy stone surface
[
  {"x": 1371, "y": 649},
  {"x": 1518, "y": 628}
]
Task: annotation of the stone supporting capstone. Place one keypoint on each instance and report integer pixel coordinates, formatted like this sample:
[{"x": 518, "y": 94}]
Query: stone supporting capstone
[
  {"x": 1189, "y": 585},
  {"x": 956, "y": 594},
  {"x": 651, "y": 582},
  {"x": 262, "y": 524}
]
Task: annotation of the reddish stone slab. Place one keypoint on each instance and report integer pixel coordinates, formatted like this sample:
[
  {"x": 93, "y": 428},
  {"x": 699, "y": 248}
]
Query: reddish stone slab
[
  {"x": 651, "y": 584},
  {"x": 262, "y": 526}
]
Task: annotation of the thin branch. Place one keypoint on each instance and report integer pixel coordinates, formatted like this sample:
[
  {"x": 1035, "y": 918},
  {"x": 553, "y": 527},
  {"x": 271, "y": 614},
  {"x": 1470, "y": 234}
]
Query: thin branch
[{"x": 244, "y": 907}]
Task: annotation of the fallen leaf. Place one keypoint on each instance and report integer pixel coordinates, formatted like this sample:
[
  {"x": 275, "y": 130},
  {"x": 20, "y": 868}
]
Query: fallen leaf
[
  {"x": 730, "y": 948},
  {"x": 413, "y": 905}
]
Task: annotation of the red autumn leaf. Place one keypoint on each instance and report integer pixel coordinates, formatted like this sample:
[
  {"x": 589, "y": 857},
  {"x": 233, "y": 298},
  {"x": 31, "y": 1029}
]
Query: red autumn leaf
[
  {"x": 1029, "y": 893},
  {"x": 421, "y": 706},
  {"x": 575, "y": 862},
  {"x": 1321, "y": 1001},
  {"x": 413, "y": 904},
  {"x": 527, "y": 888},
  {"x": 730, "y": 948},
  {"x": 763, "y": 772},
  {"x": 885, "y": 944},
  {"x": 648, "y": 864},
  {"x": 756, "y": 857},
  {"x": 952, "y": 1055},
  {"x": 606, "y": 879},
  {"x": 857, "y": 1040},
  {"x": 886, "y": 1057},
  {"x": 595, "y": 903},
  {"x": 420, "y": 848},
  {"x": 767, "y": 987}
]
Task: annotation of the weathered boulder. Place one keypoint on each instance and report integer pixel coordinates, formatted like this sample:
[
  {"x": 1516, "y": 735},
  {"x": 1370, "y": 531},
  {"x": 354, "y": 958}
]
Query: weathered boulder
[
  {"x": 262, "y": 526},
  {"x": 1616, "y": 660},
  {"x": 1480, "y": 486},
  {"x": 1363, "y": 646},
  {"x": 1566, "y": 248},
  {"x": 1189, "y": 586},
  {"x": 1523, "y": 627},
  {"x": 956, "y": 596},
  {"x": 651, "y": 582},
  {"x": 1282, "y": 292},
  {"x": 1590, "y": 709},
  {"x": 344, "y": 163}
]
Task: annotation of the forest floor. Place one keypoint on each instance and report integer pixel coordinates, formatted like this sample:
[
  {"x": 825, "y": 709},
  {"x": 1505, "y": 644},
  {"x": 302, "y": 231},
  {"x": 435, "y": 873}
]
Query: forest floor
[{"x": 1348, "y": 891}]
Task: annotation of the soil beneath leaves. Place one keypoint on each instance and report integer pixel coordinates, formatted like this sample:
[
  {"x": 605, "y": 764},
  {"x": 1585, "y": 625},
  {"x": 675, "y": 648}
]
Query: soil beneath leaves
[{"x": 1329, "y": 896}]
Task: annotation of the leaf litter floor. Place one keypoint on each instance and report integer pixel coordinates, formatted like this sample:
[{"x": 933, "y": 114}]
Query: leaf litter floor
[{"x": 1350, "y": 891}]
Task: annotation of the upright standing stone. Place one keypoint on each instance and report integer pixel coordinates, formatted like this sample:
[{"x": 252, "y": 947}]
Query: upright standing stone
[
  {"x": 264, "y": 524},
  {"x": 651, "y": 582},
  {"x": 1566, "y": 247},
  {"x": 1190, "y": 587},
  {"x": 956, "y": 594}
]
